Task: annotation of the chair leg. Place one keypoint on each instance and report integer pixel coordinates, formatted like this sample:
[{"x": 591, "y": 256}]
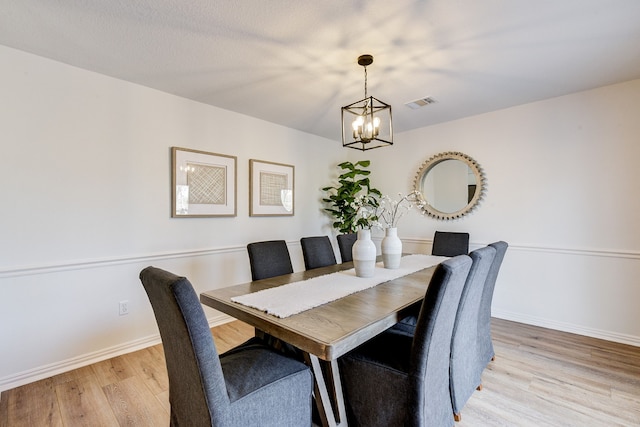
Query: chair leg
[{"x": 457, "y": 417}]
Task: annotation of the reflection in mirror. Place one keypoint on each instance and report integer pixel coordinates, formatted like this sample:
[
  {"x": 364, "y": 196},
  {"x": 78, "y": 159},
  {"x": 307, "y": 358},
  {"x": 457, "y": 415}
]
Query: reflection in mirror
[{"x": 451, "y": 183}]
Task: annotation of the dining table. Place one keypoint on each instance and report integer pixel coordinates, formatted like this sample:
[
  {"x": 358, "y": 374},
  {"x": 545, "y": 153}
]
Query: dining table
[{"x": 325, "y": 332}]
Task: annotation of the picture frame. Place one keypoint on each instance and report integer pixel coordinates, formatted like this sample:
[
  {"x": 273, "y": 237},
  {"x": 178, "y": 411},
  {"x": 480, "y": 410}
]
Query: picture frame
[
  {"x": 271, "y": 188},
  {"x": 203, "y": 184}
]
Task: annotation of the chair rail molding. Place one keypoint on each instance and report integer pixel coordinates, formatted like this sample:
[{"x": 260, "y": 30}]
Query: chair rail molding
[
  {"x": 610, "y": 253},
  {"x": 84, "y": 264}
]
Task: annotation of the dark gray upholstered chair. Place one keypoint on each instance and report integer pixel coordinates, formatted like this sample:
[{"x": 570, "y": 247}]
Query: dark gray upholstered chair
[
  {"x": 445, "y": 243},
  {"x": 250, "y": 385},
  {"x": 399, "y": 380},
  {"x": 485, "y": 345},
  {"x": 449, "y": 243},
  {"x": 269, "y": 259},
  {"x": 345, "y": 244},
  {"x": 317, "y": 252},
  {"x": 464, "y": 342}
]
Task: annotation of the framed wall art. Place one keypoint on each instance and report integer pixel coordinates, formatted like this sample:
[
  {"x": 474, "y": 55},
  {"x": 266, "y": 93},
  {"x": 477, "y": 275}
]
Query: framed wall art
[
  {"x": 271, "y": 189},
  {"x": 202, "y": 184}
]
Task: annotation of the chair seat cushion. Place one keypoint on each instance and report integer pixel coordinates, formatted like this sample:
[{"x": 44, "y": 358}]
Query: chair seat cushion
[
  {"x": 252, "y": 366},
  {"x": 259, "y": 380}
]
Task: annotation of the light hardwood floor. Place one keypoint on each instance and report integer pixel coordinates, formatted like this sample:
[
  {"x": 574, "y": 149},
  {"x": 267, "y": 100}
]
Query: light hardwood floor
[{"x": 540, "y": 377}]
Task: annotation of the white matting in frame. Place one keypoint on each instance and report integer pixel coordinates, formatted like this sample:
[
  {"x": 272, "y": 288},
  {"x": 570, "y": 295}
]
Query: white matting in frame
[
  {"x": 271, "y": 188},
  {"x": 203, "y": 184}
]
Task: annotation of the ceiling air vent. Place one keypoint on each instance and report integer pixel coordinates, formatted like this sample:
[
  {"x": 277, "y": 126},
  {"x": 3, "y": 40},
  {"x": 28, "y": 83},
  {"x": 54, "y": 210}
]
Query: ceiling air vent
[{"x": 422, "y": 102}]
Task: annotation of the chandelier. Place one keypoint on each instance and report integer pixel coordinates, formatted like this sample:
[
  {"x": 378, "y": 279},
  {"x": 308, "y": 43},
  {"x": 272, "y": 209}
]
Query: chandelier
[{"x": 366, "y": 124}]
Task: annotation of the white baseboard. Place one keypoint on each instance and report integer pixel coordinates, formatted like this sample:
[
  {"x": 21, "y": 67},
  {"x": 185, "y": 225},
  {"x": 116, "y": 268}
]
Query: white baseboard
[
  {"x": 47, "y": 371},
  {"x": 567, "y": 327}
]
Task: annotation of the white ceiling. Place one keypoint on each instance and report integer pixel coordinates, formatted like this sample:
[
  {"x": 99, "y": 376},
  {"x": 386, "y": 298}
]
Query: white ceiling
[{"x": 293, "y": 62}]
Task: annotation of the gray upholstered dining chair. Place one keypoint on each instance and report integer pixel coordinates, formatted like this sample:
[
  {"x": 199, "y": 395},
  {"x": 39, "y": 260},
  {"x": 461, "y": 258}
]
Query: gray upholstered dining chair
[
  {"x": 269, "y": 259},
  {"x": 401, "y": 380},
  {"x": 249, "y": 385},
  {"x": 445, "y": 243},
  {"x": 450, "y": 243},
  {"x": 464, "y": 341},
  {"x": 317, "y": 252},
  {"x": 485, "y": 344},
  {"x": 345, "y": 244}
]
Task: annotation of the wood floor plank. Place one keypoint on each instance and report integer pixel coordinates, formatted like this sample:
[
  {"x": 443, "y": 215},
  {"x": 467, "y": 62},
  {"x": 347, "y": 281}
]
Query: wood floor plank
[
  {"x": 163, "y": 398},
  {"x": 85, "y": 371},
  {"x": 134, "y": 404},
  {"x": 542, "y": 368},
  {"x": 596, "y": 404},
  {"x": 567, "y": 382},
  {"x": 35, "y": 405},
  {"x": 83, "y": 403},
  {"x": 150, "y": 365},
  {"x": 4, "y": 408},
  {"x": 113, "y": 370},
  {"x": 505, "y": 402},
  {"x": 629, "y": 401},
  {"x": 541, "y": 363},
  {"x": 231, "y": 334},
  {"x": 509, "y": 371},
  {"x": 497, "y": 407}
]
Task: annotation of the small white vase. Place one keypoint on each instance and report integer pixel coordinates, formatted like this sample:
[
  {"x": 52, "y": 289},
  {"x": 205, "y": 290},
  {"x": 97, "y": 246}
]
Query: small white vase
[
  {"x": 391, "y": 248},
  {"x": 364, "y": 254}
]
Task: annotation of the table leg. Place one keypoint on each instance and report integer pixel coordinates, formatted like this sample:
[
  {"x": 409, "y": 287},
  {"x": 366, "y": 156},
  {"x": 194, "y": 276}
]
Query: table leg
[
  {"x": 333, "y": 375},
  {"x": 323, "y": 401}
]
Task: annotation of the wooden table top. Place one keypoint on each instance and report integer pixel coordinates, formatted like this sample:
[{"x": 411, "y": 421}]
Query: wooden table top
[{"x": 329, "y": 330}]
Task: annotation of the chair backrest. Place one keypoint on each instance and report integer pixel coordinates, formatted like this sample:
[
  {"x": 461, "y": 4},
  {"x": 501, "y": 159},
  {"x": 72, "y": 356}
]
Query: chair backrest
[
  {"x": 269, "y": 259},
  {"x": 428, "y": 394},
  {"x": 464, "y": 347},
  {"x": 345, "y": 244},
  {"x": 197, "y": 390},
  {"x": 317, "y": 252},
  {"x": 450, "y": 243},
  {"x": 484, "y": 315}
]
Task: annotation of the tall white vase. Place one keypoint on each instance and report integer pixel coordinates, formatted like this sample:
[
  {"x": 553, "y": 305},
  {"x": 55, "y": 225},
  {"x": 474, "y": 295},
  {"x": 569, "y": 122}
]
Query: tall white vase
[
  {"x": 364, "y": 254},
  {"x": 391, "y": 248}
]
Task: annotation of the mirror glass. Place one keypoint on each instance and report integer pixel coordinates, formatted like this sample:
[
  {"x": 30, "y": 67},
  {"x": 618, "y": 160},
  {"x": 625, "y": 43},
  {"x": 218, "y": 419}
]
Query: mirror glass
[{"x": 451, "y": 183}]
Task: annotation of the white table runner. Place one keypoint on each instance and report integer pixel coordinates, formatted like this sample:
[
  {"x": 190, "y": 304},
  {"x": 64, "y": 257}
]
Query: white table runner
[{"x": 286, "y": 300}]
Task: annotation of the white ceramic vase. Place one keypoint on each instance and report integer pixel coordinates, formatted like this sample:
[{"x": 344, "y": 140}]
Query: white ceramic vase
[
  {"x": 364, "y": 254},
  {"x": 391, "y": 248}
]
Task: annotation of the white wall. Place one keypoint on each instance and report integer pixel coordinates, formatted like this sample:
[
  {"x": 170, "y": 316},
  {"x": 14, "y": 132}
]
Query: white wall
[
  {"x": 85, "y": 187},
  {"x": 563, "y": 190}
]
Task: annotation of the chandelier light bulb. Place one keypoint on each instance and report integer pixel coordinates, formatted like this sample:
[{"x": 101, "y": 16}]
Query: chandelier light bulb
[
  {"x": 364, "y": 129},
  {"x": 357, "y": 126}
]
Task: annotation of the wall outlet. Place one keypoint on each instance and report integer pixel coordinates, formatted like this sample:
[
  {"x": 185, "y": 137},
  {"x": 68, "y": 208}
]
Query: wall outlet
[{"x": 124, "y": 308}]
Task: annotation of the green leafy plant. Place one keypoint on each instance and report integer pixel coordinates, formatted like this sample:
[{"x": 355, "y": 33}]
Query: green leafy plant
[{"x": 353, "y": 202}]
